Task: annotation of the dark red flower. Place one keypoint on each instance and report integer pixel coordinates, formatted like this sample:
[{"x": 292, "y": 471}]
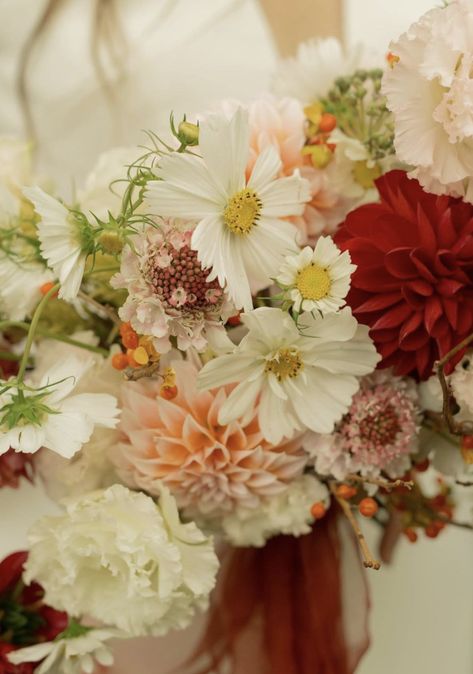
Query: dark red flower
[
  {"x": 414, "y": 281},
  {"x": 24, "y": 619},
  {"x": 13, "y": 466}
]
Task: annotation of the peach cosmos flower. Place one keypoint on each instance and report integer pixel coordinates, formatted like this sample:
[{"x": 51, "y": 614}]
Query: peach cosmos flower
[{"x": 208, "y": 467}]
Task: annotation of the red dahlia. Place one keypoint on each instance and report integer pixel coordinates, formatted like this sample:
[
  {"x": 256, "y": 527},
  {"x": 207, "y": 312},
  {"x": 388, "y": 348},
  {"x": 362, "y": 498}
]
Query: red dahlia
[{"x": 414, "y": 281}]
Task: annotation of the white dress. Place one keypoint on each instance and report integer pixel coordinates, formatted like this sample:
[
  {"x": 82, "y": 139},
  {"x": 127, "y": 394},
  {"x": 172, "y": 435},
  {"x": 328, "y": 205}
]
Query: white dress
[{"x": 182, "y": 55}]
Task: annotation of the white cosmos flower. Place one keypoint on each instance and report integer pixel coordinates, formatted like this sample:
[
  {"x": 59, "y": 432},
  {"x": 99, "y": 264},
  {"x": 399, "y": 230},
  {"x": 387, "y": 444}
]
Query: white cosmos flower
[
  {"x": 49, "y": 414},
  {"x": 70, "y": 655},
  {"x": 63, "y": 240},
  {"x": 312, "y": 72},
  {"x": 240, "y": 235},
  {"x": 302, "y": 378},
  {"x": 20, "y": 284},
  {"x": 317, "y": 278}
]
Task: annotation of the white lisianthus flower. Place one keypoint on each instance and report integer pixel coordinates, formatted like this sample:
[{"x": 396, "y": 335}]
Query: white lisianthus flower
[
  {"x": 429, "y": 89},
  {"x": 240, "y": 233},
  {"x": 317, "y": 279},
  {"x": 50, "y": 414},
  {"x": 122, "y": 559},
  {"x": 310, "y": 74},
  {"x": 70, "y": 655},
  {"x": 303, "y": 378},
  {"x": 65, "y": 240},
  {"x": 287, "y": 513}
]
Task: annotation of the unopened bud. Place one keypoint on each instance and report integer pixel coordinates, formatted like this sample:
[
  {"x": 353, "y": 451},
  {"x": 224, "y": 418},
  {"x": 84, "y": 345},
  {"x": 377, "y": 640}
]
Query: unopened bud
[
  {"x": 188, "y": 133},
  {"x": 110, "y": 242}
]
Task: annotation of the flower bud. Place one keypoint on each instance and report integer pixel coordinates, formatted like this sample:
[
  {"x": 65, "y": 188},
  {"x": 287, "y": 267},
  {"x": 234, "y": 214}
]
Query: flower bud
[
  {"x": 188, "y": 133},
  {"x": 110, "y": 242}
]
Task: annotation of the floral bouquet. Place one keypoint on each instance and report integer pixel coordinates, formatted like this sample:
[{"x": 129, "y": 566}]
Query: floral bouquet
[{"x": 246, "y": 334}]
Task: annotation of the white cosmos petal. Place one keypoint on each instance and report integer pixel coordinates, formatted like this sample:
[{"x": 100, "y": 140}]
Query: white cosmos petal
[
  {"x": 339, "y": 327},
  {"x": 100, "y": 408},
  {"x": 167, "y": 200},
  {"x": 240, "y": 401},
  {"x": 275, "y": 417},
  {"x": 65, "y": 433},
  {"x": 285, "y": 196},
  {"x": 267, "y": 166},
  {"x": 188, "y": 173},
  {"x": 30, "y": 439},
  {"x": 224, "y": 370},
  {"x": 232, "y": 265},
  {"x": 206, "y": 239},
  {"x": 70, "y": 283},
  {"x": 224, "y": 145}
]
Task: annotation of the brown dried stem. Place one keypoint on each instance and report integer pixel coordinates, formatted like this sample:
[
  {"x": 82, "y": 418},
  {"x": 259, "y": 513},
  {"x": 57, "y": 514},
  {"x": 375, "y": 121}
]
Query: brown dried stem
[
  {"x": 385, "y": 484},
  {"x": 133, "y": 374},
  {"x": 368, "y": 560},
  {"x": 455, "y": 427}
]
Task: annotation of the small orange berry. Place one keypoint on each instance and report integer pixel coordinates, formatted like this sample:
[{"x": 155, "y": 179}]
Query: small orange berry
[
  {"x": 332, "y": 146},
  {"x": 327, "y": 122},
  {"x": 467, "y": 442},
  {"x": 130, "y": 339},
  {"x": 368, "y": 507},
  {"x": 345, "y": 491},
  {"x": 410, "y": 534},
  {"x": 46, "y": 287},
  {"x": 131, "y": 361},
  {"x": 318, "y": 510},
  {"x": 168, "y": 392},
  {"x": 125, "y": 327},
  {"x": 119, "y": 361},
  {"x": 422, "y": 466},
  {"x": 234, "y": 320},
  {"x": 431, "y": 531}
]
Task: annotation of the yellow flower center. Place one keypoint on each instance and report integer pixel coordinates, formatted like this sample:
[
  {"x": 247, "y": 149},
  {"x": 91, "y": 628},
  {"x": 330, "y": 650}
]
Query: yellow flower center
[
  {"x": 365, "y": 175},
  {"x": 313, "y": 282},
  {"x": 242, "y": 211},
  {"x": 286, "y": 362}
]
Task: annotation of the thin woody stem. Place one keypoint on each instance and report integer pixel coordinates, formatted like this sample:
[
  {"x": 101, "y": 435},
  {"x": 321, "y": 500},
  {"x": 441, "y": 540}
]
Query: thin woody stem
[
  {"x": 385, "y": 484},
  {"x": 368, "y": 560},
  {"x": 456, "y": 428}
]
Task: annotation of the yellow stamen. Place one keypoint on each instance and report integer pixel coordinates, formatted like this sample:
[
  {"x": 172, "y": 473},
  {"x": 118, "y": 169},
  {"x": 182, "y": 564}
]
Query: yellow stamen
[
  {"x": 242, "y": 211},
  {"x": 286, "y": 362},
  {"x": 313, "y": 282},
  {"x": 366, "y": 175}
]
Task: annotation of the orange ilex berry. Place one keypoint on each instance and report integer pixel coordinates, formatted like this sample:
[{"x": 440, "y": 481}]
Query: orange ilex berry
[
  {"x": 130, "y": 339},
  {"x": 46, "y": 287},
  {"x": 327, "y": 122},
  {"x": 332, "y": 146},
  {"x": 168, "y": 392},
  {"x": 131, "y": 361},
  {"x": 368, "y": 507},
  {"x": 124, "y": 328},
  {"x": 467, "y": 441},
  {"x": 345, "y": 491},
  {"x": 234, "y": 320},
  {"x": 392, "y": 59},
  {"x": 318, "y": 510},
  {"x": 431, "y": 530},
  {"x": 410, "y": 534},
  {"x": 119, "y": 361},
  {"x": 422, "y": 466}
]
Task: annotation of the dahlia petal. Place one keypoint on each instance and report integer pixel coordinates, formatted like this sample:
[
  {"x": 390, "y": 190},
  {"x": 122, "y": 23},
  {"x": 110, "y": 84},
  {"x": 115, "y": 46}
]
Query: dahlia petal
[
  {"x": 393, "y": 317},
  {"x": 399, "y": 264},
  {"x": 378, "y": 302},
  {"x": 433, "y": 312}
]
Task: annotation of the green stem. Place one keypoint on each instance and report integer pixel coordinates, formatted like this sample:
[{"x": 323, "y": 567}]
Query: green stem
[
  {"x": 32, "y": 330},
  {"x": 7, "y": 355},
  {"x": 49, "y": 335}
]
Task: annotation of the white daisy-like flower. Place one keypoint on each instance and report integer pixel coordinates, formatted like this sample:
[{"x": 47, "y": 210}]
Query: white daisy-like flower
[
  {"x": 65, "y": 240},
  {"x": 48, "y": 413},
  {"x": 310, "y": 74},
  {"x": 300, "y": 378},
  {"x": 287, "y": 513},
  {"x": 122, "y": 559},
  {"x": 20, "y": 284},
  {"x": 240, "y": 233},
  {"x": 317, "y": 279},
  {"x": 429, "y": 89},
  {"x": 70, "y": 655}
]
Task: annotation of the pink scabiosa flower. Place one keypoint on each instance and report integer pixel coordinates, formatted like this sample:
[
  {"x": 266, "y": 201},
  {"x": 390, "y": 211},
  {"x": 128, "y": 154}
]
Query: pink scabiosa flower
[
  {"x": 377, "y": 434},
  {"x": 168, "y": 291},
  {"x": 209, "y": 467}
]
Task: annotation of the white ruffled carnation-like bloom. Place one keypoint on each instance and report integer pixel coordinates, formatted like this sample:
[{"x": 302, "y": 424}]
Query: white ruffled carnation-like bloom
[
  {"x": 310, "y": 74},
  {"x": 287, "y": 513},
  {"x": 65, "y": 241},
  {"x": 120, "y": 558},
  {"x": 317, "y": 279},
  {"x": 430, "y": 92},
  {"x": 70, "y": 655},
  {"x": 303, "y": 376},
  {"x": 461, "y": 381},
  {"x": 241, "y": 235},
  {"x": 49, "y": 413}
]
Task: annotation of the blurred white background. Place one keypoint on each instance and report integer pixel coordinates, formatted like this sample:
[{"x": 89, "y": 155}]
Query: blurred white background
[{"x": 422, "y": 617}]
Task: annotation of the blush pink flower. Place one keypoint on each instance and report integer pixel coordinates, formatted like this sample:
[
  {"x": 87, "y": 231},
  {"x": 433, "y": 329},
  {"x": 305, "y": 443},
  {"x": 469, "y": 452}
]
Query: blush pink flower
[
  {"x": 208, "y": 467},
  {"x": 377, "y": 434}
]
